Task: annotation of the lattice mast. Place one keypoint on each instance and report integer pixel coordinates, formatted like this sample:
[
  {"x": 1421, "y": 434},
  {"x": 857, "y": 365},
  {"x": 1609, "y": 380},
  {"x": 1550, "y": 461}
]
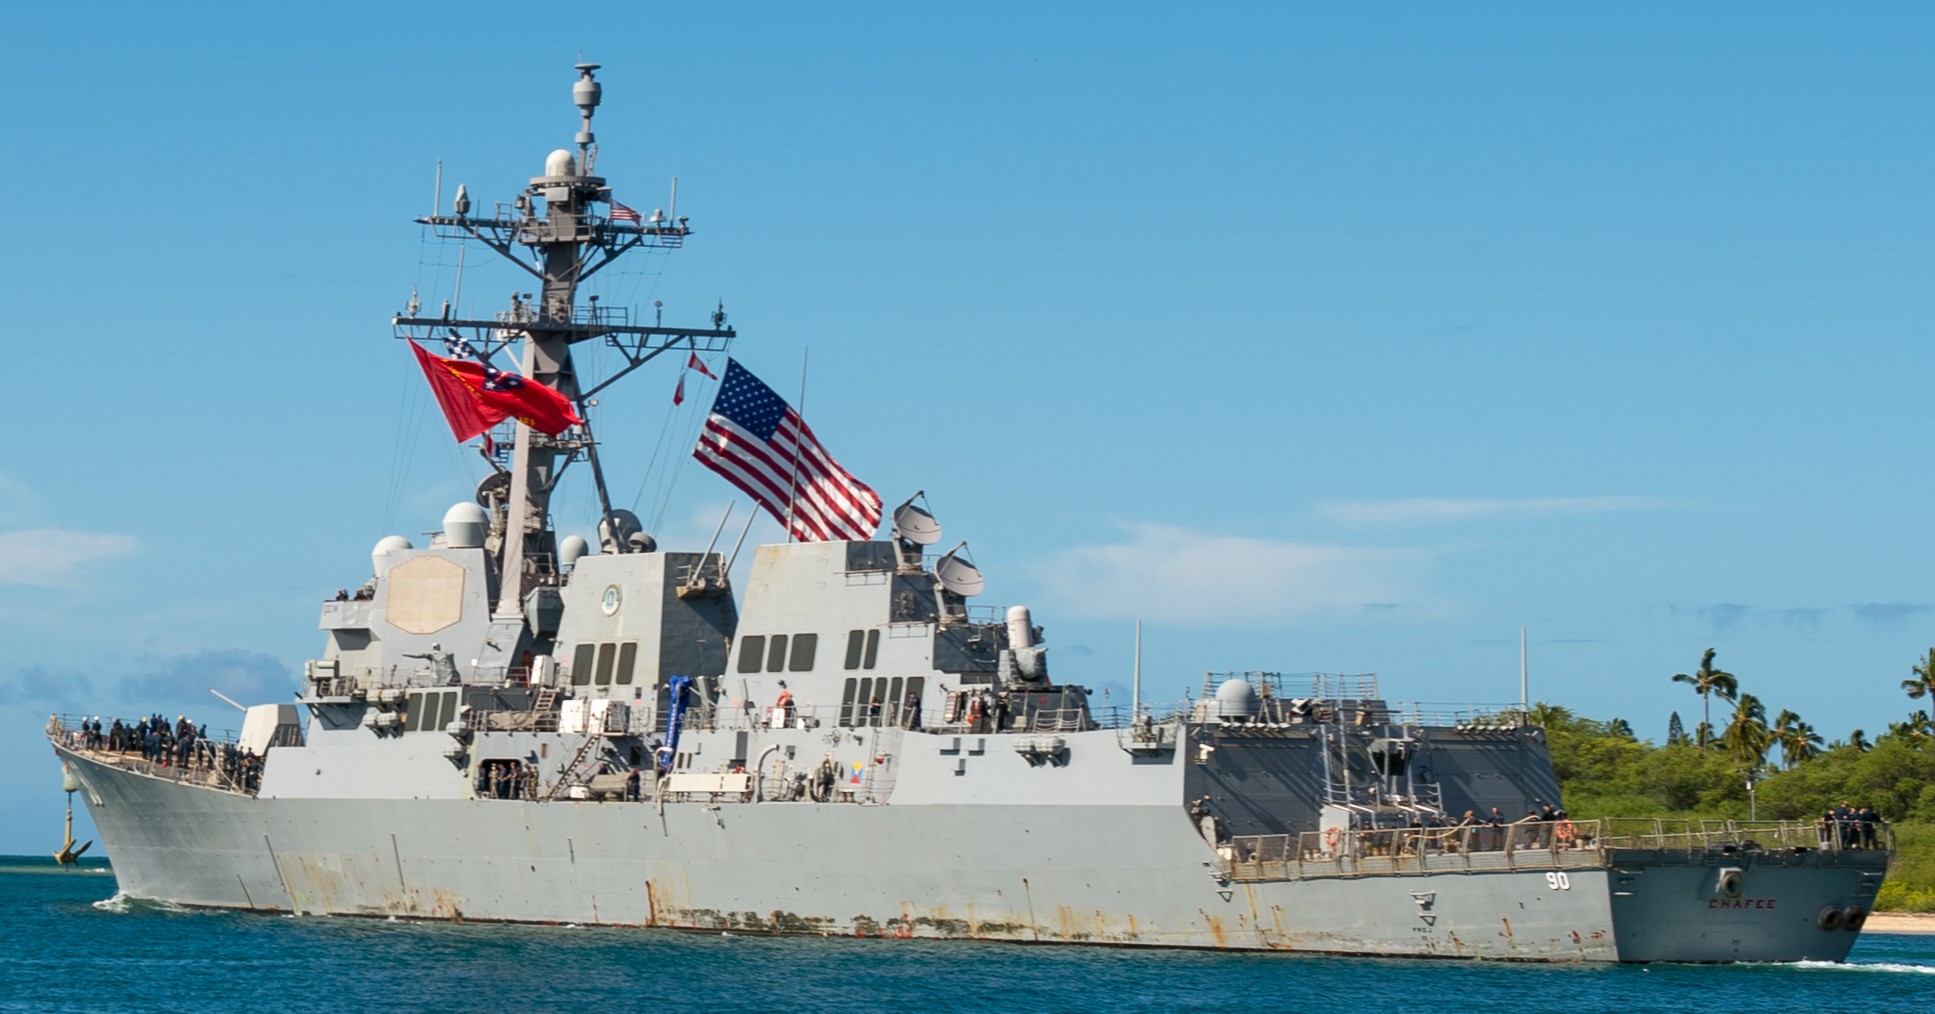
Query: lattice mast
[{"x": 565, "y": 239}]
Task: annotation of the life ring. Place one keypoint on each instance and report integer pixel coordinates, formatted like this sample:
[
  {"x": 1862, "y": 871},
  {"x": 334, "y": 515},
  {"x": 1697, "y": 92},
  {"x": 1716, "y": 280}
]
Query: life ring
[
  {"x": 1331, "y": 837},
  {"x": 1829, "y": 918},
  {"x": 1852, "y": 919},
  {"x": 1564, "y": 830}
]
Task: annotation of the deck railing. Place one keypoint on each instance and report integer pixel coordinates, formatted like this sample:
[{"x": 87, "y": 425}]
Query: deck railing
[
  {"x": 1769, "y": 835},
  {"x": 1530, "y": 844},
  {"x": 214, "y": 761}
]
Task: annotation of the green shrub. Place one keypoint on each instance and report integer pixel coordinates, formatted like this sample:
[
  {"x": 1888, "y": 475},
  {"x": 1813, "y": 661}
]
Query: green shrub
[
  {"x": 1604, "y": 772},
  {"x": 1896, "y": 896}
]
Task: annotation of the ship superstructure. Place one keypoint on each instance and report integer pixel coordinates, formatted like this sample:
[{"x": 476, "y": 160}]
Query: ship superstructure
[{"x": 508, "y": 725}]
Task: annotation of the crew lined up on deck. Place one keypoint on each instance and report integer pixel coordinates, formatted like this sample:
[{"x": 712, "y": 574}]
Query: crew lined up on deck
[
  {"x": 1850, "y": 827},
  {"x": 181, "y": 745}
]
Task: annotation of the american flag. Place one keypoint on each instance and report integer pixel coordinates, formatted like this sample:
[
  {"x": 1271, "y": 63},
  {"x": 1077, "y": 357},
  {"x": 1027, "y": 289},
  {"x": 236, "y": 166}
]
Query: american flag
[
  {"x": 620, "y": 213},
  {"x": 759, "y": 444}
]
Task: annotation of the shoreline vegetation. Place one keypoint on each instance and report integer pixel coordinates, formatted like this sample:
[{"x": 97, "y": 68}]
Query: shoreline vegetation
[{"x": 1749, "y": 767}]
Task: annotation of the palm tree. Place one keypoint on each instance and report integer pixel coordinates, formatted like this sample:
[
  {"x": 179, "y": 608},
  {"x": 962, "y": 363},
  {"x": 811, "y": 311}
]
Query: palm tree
[
  {"x": 1859, "y": 740},
  {"x": 1747, "y": 737},
  {"x": 1706, "y": 682},
  {"x": 1545, "y": 716},
  {"x": 1798, "y": 741},
  {"x": 1923, "y": 685},
  {"x": 1810, "y": 743},
  {"x": 1620, "y": 727}
]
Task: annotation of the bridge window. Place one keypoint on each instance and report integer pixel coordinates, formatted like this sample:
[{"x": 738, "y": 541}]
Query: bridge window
[
  {"x": 607, "y": 654},
  {"x": 804, "y": 646},
  {"x": 753, "y": 648},
  {"x": 581, "y": 665},
  {"x": 873, "y": 648},
  {"x": 627, "y": 661},
  {"x": 768, "y": 652},
  {"x": 854, "y": 640}
]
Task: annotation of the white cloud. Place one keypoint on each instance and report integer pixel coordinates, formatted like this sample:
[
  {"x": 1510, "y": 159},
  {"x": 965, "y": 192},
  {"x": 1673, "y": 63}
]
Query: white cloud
[
  {"x": 1430, "y": 510},
  {"x": 1182, "y": 576},
  {"x": 49, "y": 557}
]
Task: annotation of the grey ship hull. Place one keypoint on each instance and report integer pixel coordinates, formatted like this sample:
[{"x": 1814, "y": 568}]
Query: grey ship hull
[{"x": 1101, "y": 872}]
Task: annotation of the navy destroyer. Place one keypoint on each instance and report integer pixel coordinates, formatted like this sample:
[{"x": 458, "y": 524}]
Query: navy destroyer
[{"x": 509, "y": 725}]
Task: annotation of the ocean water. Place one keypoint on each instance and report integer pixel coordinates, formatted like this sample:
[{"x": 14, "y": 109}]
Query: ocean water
[{"x": 69, "y": 943}]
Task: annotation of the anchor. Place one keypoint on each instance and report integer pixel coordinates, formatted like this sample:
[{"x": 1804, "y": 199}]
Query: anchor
[{"x": 68, "y": 854}]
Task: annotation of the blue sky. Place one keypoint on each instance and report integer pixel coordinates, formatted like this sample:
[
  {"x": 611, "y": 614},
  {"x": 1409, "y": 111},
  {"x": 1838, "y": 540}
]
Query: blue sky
[{"x": 1344, "y": 339}]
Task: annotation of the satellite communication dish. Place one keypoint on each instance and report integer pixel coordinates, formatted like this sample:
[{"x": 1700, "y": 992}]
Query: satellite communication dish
[
  {"x": 616, "y": 532},
  {"x": 916, "y": 525},
  {"x": 495, "y": 489},
  {"x": 957, "y": 575}
]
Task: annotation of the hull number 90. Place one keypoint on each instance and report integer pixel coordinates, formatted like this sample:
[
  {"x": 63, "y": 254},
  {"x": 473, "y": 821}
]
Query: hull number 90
[{"x": 1558, "y": 881}]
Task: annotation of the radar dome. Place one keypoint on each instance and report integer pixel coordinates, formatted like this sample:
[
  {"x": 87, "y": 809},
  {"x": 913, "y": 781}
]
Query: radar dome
[
  {"x": 464, "y": 526},
  {"x": 1236, "y": 699},
  {"x": 573, "y": 547},
  {"x": 385, "y": 546},
  {"x": 1021, "y": 627},
  {"x": 560, "y": 163}
]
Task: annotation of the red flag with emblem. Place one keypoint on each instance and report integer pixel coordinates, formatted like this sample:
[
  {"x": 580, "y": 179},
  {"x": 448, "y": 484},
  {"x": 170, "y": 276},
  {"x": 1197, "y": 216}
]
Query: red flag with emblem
[{"x": 475, "y": 397}]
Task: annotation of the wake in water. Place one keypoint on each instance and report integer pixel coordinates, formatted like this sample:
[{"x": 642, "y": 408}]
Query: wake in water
[
  {"x": 121, "y": 904},
  {"x": 1866, "y": 966}
]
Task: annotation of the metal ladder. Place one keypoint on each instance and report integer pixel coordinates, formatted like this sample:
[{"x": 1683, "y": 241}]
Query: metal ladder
[
  {"x": 564, "y": 773},
  {"x": 544, "y": 710}
]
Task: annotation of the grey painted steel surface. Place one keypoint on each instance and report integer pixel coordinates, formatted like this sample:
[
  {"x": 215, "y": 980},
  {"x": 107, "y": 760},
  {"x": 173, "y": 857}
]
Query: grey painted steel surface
[
  {"x": 1108, "y": 871},
  {"x": 482, "y": 700}
]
